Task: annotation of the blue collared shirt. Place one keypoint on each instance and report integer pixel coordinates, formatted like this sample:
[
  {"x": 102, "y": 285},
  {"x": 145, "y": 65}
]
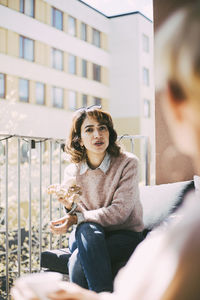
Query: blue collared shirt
[{"x": 104, "y": 166}]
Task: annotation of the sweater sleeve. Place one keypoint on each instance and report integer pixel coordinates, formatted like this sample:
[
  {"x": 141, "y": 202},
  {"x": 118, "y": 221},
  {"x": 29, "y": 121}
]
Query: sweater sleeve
[{"x": 124, "y": 199}]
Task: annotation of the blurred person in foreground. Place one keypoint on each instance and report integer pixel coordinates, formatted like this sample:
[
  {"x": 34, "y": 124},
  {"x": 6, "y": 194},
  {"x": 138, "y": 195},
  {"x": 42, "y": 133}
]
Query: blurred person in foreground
[{"x": 165, "y": 266}]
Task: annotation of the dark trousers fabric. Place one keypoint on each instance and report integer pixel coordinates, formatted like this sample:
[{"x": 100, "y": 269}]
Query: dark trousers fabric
[{"x": 97, "y": 255}]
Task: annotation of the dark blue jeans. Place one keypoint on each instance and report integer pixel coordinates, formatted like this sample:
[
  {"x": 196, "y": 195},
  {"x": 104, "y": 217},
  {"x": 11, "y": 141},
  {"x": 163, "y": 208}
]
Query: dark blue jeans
[{"x": 98, "y": 254}]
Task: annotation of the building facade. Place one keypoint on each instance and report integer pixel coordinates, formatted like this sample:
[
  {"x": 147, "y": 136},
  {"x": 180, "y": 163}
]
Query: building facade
[{"x": 57, "y": 56}]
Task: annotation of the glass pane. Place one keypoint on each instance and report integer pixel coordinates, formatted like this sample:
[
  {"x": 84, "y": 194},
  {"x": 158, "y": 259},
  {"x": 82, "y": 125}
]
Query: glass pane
[
  {"x": 57, "y": 97},
  {"x": 72, "y": 64},
  {"x": 28, "y": 49},
  {"x": 84, "y": 31},
  {"x": 72, "y": 100},
  {"x": 97, "y": 101},
  {"x": 40, "y": 93},
  {"x": 84, "y": 68},
  {"x": 96, "y": 38},
  {"x": 29, "y": 8},
  {"x": 147, "y": 108},
  {"x": 21, "y": 47},
  {"x": 21, "y": 8},
  {"x": 23, "y": 90},
  {"x": 84, "y": 100},
  {"x": 2, "y": 85},
  {"x": 145, "y": 76},
  {"x": 145, "y": 42},
  {"x": 57, "y": 19},
  {"x": 57, "y": 59},
  {"x": 71, "y": 26},
  {"x": 96, "y": 72}
]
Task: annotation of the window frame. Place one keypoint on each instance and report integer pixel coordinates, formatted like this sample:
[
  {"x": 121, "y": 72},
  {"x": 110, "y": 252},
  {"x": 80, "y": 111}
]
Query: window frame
[
  {"x": 83, "y": 32},
  {"x": 22, "y": 48},
  {"x": 74, "y": 107},
  {"x": 145, "y": 43},
  {"x": 97, "y": 101},
  {"x": 54, "y": 96},
  {"x": 53, "y": 59},
  {"x": 53, "y": 18},
  {"x": 84, "y": 103},
  {"x": 84, "y": 70},
  {"x": 147, "y": 108},
  {"x": 24, "y": 99},
  {"x": 145, "y": 76},
  {"x": 74, "y": 33},
  {"x": 3, "y": 95},
  {"x": 44, "y": 94},
  {"x": 97, "y": 44},
  {"x": 96, "y": 72},
  {"x": 74, "y": 70},
  {"x": 22, "y": 8}
]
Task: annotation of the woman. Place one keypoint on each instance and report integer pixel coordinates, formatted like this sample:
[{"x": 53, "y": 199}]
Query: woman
[
  {"x": 109, "y": 212},
  {"x": 166, "y": 266}
]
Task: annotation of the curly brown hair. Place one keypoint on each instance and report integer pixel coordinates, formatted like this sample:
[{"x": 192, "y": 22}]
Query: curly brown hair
[{"x": 74, "y": 149}]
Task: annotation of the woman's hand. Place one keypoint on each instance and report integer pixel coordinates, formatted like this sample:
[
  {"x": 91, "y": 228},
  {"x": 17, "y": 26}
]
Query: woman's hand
[
  {"x": 60, "y": 226},
  {"x": 67, "y": 290},
  {"x": 67, "y": 202},
  {"x": 71, "y": 291},
  {"x": 20, "y": 291}
]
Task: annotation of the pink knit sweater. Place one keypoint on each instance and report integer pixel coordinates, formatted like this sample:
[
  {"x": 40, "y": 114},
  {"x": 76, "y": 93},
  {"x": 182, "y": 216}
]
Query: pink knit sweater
[{"x": 111, "y": 198}]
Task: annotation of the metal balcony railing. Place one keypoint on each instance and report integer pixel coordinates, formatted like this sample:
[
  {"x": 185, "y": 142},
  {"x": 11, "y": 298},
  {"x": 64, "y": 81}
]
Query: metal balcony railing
[{"x": 27, "y": 166}]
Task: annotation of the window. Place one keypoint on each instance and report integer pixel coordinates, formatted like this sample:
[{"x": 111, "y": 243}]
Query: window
[
  {"x": 57, "y": 18},
  {"x": 27, "y": 7},
  {"x": 145, "y": 76},
  {"x": 24, "y": 152},
  {"x": 96, "y": 72},
  {"x": 84, "y": 68},
  {"x": 97, "y": 101},
  {"x": 72, "y": 64},
  {"x": 147, "y": 108},
  {"x": 96, "y": 38},
  {"x": 84, "y": 100},
  {"x": 40, "y": 92},
  {"x": 145, "y": 43},
  {"x": 23, "y": 90},
  {"x": 2, "y": 85},
  {"x": 26, "y": 48},
  {"x": 83, "y": 31},
  {"x": 57, "y": 59},
  {"x": 72, "y": 100},
  {"x": 2, "y": 149},
  {"x": 57, "y": 97},
  {"x": 72, "y": 26}
]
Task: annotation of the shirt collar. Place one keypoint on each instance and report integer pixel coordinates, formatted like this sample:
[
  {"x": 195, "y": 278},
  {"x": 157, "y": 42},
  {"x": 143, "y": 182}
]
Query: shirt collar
[{"x": 104, "y": 166}]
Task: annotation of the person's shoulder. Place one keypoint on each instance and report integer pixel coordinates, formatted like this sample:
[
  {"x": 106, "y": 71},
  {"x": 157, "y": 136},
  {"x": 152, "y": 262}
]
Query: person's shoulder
[
  {"x": 71, "y": 170},
  {"x": 129, "y": 157}
]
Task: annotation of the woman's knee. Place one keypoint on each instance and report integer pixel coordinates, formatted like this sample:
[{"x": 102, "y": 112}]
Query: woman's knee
[{"x": 89, "y": 231}]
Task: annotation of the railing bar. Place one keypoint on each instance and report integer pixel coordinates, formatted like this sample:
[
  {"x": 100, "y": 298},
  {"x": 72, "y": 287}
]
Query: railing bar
[
  {"x": 19, "y": 206},
  {"x": 60, "y": 206},
  {"x": 29, "y": 208},
  {"x": 132, "y": 144},
  {"x": 6, "y": 195},
  {"x": 146, "y": 162},
  {"x": 50, "y": 182},
  {"x": 40, "y": 217}
]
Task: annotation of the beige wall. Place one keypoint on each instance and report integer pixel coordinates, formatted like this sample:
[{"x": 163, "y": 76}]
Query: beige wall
[{"x": 171, "y": 166}]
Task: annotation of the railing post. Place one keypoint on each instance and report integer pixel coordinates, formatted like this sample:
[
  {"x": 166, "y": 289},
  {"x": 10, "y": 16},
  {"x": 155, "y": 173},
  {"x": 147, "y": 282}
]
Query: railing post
[
  {"x": 19, "y": 205},
  {"x": 6, "y": 216}
]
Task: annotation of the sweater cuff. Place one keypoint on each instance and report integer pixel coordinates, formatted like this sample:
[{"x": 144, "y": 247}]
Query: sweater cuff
[{"x": 80, "y": 217}]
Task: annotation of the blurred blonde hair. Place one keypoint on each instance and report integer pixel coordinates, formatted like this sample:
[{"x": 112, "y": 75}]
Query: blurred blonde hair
[{"x": 177, "y": 54}]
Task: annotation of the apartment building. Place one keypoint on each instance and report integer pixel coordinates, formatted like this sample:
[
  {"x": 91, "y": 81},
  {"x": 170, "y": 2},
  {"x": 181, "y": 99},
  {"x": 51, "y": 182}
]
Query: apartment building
[{"x": 57, "y": 56}]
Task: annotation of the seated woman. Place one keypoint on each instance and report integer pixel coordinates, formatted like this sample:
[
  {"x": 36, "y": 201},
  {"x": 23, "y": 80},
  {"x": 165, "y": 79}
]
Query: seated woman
[
  {"x": 109, "y": 212},
  {"x": 166, "y": 265}
]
